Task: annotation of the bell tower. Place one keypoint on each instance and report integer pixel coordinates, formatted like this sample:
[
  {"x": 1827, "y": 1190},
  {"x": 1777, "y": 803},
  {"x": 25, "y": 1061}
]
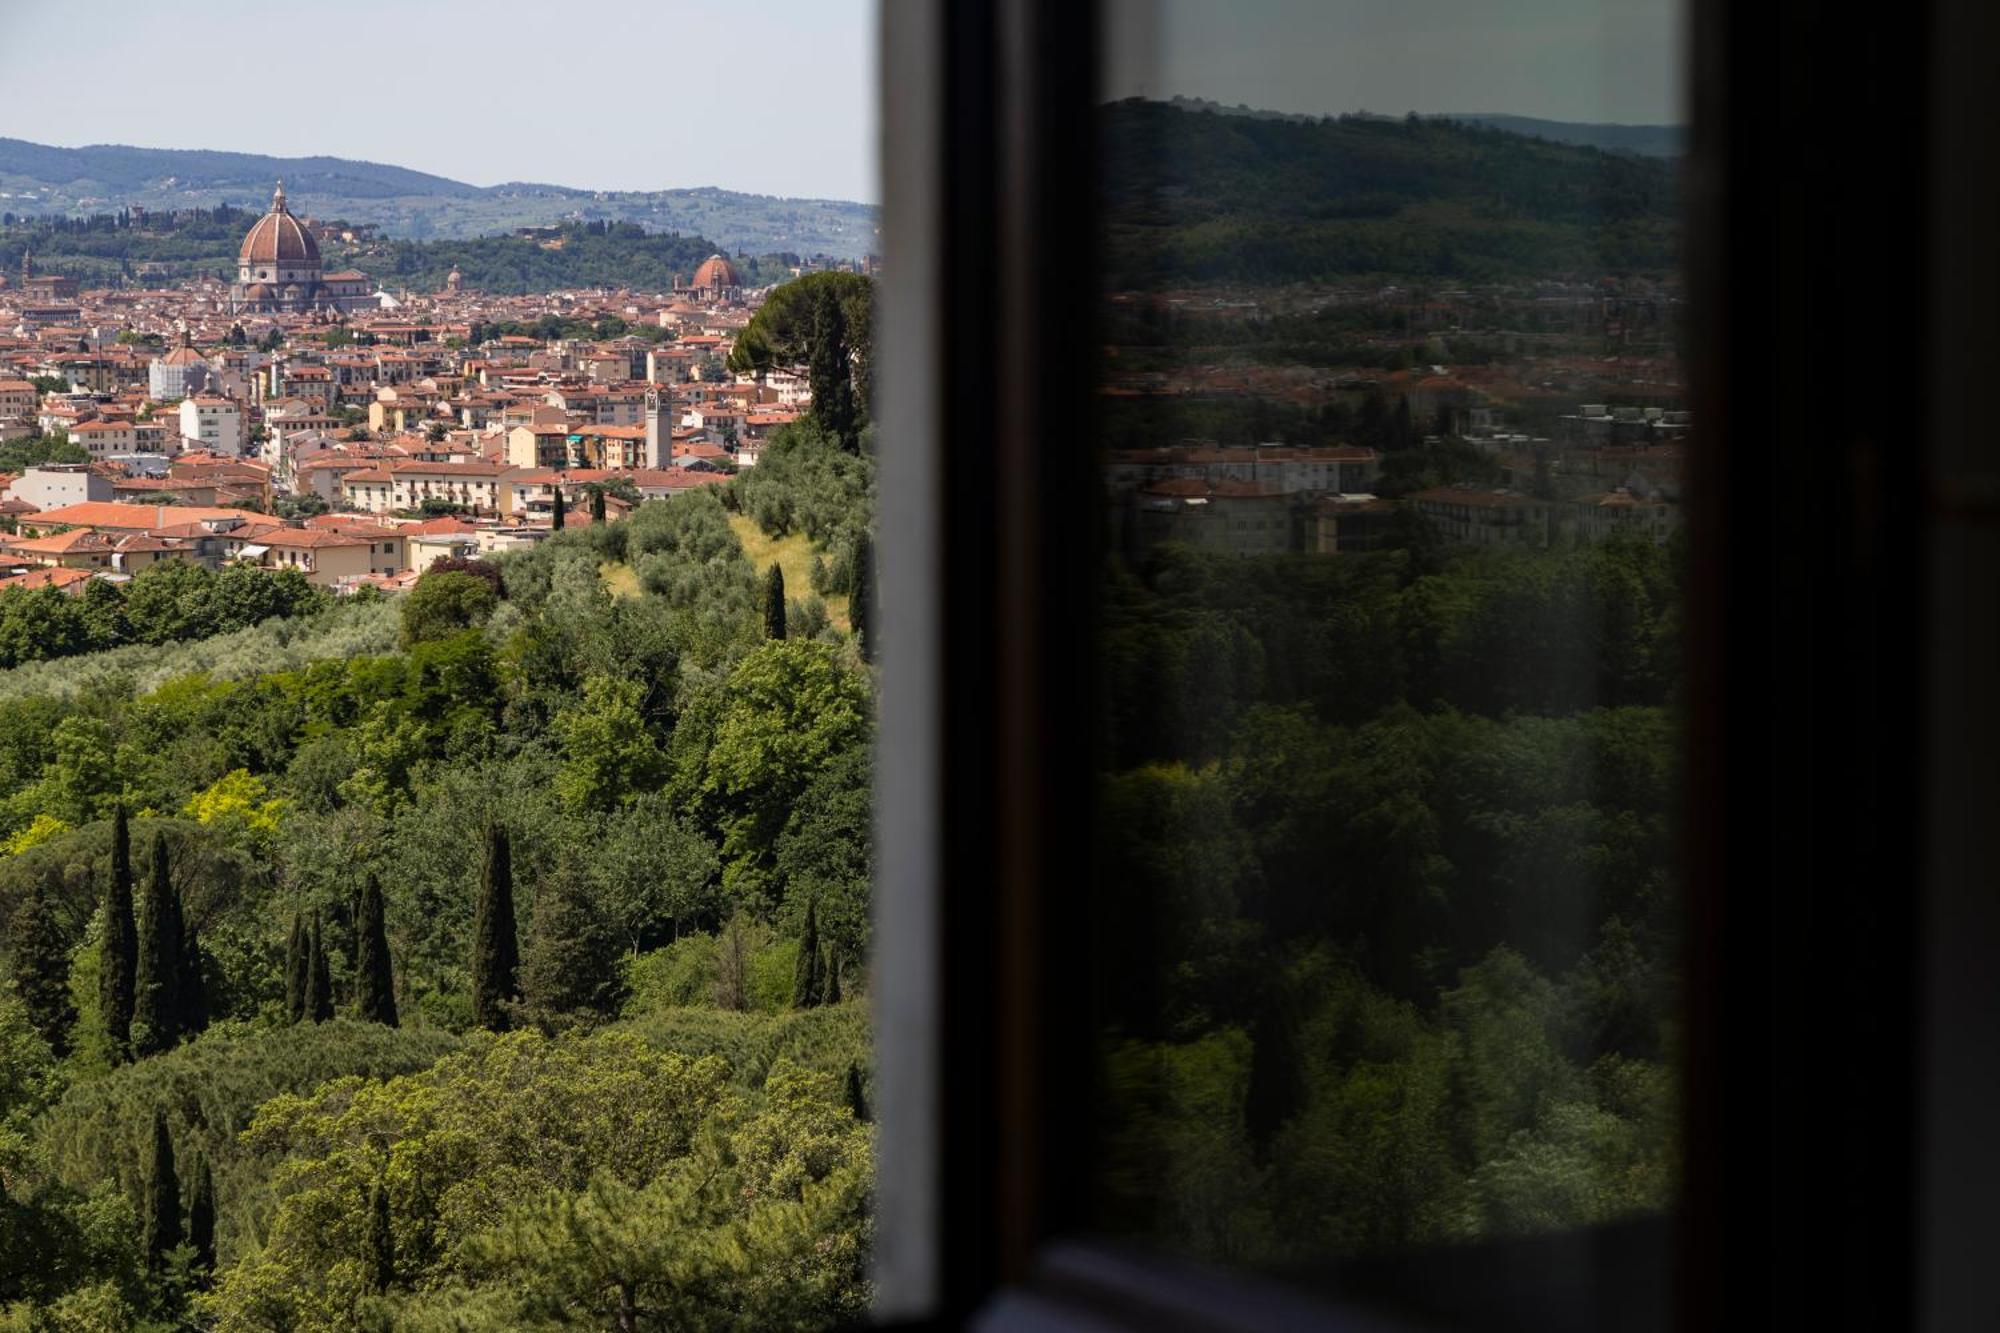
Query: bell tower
[{"x": 659, "y": 427}]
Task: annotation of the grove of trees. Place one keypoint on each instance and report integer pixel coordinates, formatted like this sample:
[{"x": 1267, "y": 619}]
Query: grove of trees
[{"x": 385, "y": 988}]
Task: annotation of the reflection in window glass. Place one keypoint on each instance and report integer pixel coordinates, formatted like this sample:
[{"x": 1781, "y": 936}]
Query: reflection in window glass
[{"x": 1391, "y": 430}]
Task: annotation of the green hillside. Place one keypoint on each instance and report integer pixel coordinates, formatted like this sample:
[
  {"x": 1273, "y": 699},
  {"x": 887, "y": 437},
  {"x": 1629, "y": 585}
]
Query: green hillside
[
  {"x": 594, "y": 254},
  {"x": 1196, "y": 196}
]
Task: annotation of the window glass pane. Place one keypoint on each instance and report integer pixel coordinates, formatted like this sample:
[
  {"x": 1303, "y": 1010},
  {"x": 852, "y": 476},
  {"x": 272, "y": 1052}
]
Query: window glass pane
[{"x": 1391, "y": 424}]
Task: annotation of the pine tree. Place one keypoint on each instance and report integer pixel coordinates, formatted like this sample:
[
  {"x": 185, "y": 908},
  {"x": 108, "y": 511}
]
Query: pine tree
[
  {"x": 597, "y": 514},
  {"x": 194, "y": 982},
  {"x": 374, "y": 979},
  {"x": 201, "y": 1219},
  {"x": 162, "y": 1217},
  {"x": 319, "y": 977},
  {"x": 119, "y": 950},
  {"x": 557, "y": 515},
  {"x": 807, "y": 981},
  {"x": 41, "y": 969},
  {"x": 774, "y": 602},
  {"x": 156, "y": 991},
  {"x": 857, "y": 1099},
  {"x": 298, "y": 968},
  {"x": 861, "y": 598},
  {"x": 381, "y": 1242},
  {"x": 496, "y": 957}
]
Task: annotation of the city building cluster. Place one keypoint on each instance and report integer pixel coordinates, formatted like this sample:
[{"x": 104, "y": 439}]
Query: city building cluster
[
  {"x": 305, "y": 419},
  {"x": 1496, "y": 443}
]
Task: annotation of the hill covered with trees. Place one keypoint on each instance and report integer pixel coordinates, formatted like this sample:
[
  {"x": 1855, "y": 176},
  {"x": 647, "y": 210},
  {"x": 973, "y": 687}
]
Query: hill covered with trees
[
  {"x": 112, "y": 248},
  {"x": 1203, "y": 196},
  {"x": 412, "y": 204}
]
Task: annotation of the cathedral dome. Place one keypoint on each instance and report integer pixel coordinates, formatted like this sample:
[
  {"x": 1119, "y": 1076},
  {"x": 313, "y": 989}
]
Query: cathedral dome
[
  {"x": 715, "y": 271},
  {"x": 278, "y": 238}
]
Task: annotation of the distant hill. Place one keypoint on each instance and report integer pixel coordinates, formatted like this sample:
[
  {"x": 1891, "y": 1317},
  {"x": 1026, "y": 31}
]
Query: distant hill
[
  {"x": 1647, "y": 140},
  {"x": 37, "y": 179},
  {"x": 1205, "y": 195}
]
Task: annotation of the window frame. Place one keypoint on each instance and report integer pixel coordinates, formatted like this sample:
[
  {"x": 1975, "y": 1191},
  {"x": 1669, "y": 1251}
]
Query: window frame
[{"x": 1805, "y": 613}]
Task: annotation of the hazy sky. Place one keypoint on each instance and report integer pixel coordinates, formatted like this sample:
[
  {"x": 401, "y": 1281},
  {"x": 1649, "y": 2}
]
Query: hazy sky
[
  {"x": 770, "y": 96},
  {"x": 1600, "y": 60}
]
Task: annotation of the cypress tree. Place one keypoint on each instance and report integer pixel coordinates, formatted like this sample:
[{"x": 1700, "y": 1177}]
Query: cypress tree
[
  {"x": 857, "y": 1099},
  {"x": 830, "y": 372},
  {"x": 381, "y": 1242},
  {"x": 597, "y": 514},
  {"x": 774, "y": 602},
  {"x": 162, "y": 1217},
  {"x": 1277, "y": 1067},
  {"x": 557, "y": 515},
  {"x": 156, "y": 992},
  {"x": 201, "y": 1218},
  {"x": 732, "y": 969},
  {"x": 319, "y": 977},
  {"x": 374, "y": 980},
  {"x": 41, "y": 969},
  {"x": 194, "y": 986},
  {"x": 832, "y": 976},
  {"x": 496, "y": 956},
  {"x": 861, "y": 598},
  {"x": 807, "y": 980},
  {"x": 118, "y": 953},
  {"x": 298, "y": 966}
]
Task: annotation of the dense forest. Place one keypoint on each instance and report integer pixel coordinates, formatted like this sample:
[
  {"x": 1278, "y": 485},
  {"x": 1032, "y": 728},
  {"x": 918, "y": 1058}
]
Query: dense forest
[
  {"x": 1387, "y": 948},
  {"x": 1197, "y": 197},
  {"x": 493, "y": 958}
]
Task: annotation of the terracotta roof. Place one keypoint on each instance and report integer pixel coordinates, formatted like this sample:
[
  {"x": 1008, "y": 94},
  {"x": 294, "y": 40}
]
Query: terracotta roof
[
  {"x": 1475, "y": 498},
  {"x": 448, "y": 526},
  {"x": 308, "y": 539},
  {"x": 1205, "y": 488},
  {"x": 277, "y": 238},
  {"x": 47, "y": 578},
  {"x": 131, "y": 517},
  {"x": 717, "y": 271},
  {"x": 61, "y": 543}
]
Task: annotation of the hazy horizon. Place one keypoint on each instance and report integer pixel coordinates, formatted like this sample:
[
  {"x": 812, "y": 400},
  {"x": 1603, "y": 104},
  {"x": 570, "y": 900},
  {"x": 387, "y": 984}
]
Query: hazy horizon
[
  {"x": 769, "y": 97},
  {"x": 773, "y": 97}
]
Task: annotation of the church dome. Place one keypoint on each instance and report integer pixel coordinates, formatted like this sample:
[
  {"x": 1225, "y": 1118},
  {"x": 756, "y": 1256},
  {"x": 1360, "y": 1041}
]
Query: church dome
[
  {"x": 278, "y": 238},
  {"x": 715, "y": 271}
]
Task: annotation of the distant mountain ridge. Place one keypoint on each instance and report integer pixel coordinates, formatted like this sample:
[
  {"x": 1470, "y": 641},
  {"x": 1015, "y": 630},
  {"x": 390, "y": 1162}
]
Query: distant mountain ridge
[
  {"x": 41, "y": 179},
  {"x": 1645, "y": 140}
]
